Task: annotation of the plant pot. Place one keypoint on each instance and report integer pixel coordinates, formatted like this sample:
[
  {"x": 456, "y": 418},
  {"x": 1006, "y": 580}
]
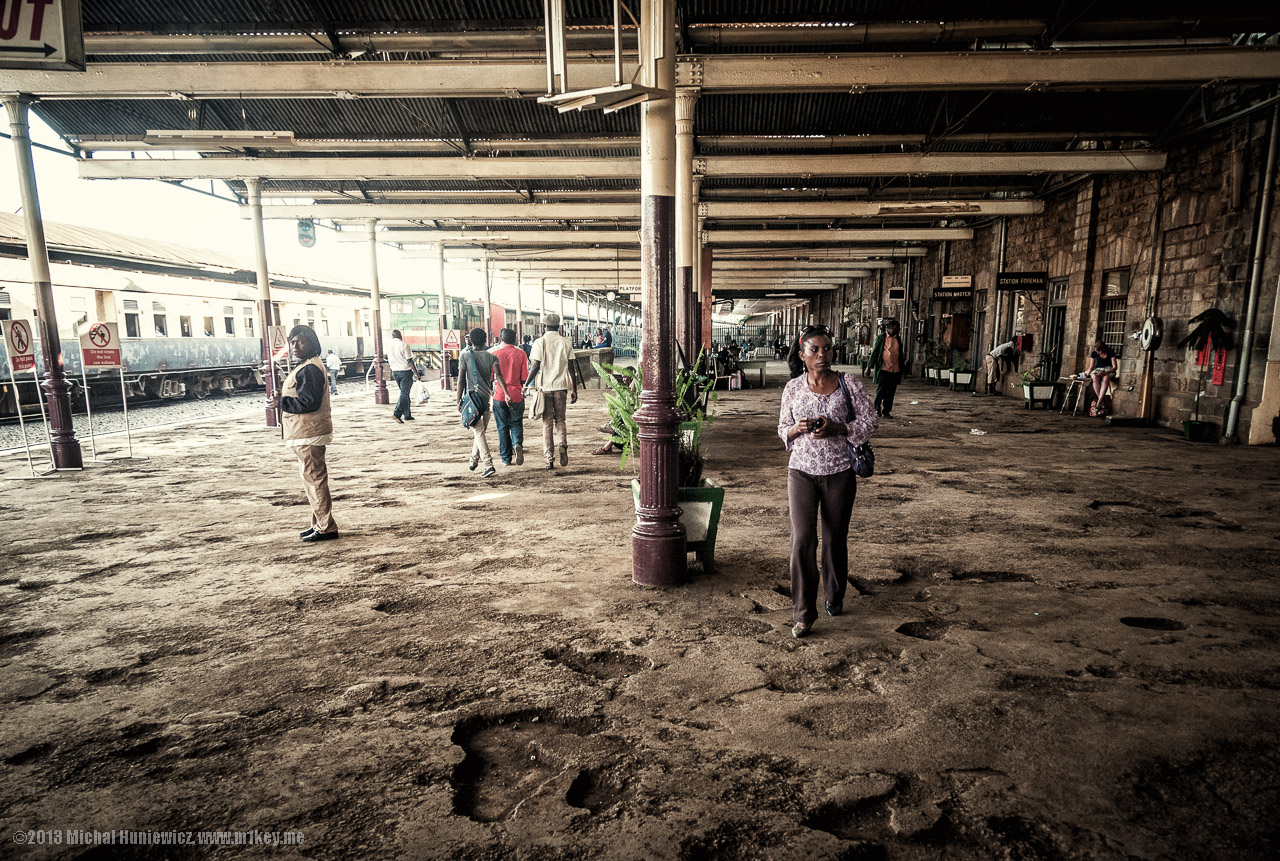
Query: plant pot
[
  {"x": 1041, "y": 393},
  {"x": 699, "y": 514},
  {"x": 962, "y": 381},
  {"x": 1200, "y": 431},
  {"x": 944, "y": 376},
  {"x": 931, "y": 374}
]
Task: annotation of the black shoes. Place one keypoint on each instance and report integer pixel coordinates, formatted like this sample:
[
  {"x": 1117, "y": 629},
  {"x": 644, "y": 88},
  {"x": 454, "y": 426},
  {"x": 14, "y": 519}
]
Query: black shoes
[
  {"x": 489, "y": 473},
  {"x": 408, "y": 418},
  {"x": 800, "y": 629},
  {"x": 320, "y": 536},
  {"x": 835, "y": 610},
  {"x": 304, "y": 533},
  {"x": 398, "y": 419}
]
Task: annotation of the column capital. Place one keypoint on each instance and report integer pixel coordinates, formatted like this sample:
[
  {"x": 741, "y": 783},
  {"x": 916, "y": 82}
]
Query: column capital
[{"x": 686, "y": 101}]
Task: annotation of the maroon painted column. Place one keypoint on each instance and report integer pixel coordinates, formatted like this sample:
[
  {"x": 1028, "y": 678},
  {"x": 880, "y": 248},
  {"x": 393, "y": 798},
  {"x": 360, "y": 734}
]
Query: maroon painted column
[
  {"x": 380, "y": 395},
  {"x": 62, "y": 434},
  {"x": 265, "y": 312},
  {"x": 658, "y": 539}
]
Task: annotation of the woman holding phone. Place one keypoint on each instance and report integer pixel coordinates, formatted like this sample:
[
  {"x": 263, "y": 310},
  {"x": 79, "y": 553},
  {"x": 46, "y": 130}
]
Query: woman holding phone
[{"x": 822, "y": 412}]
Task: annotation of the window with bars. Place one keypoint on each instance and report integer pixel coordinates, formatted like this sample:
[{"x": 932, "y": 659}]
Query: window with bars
[
  {"x": 1112, "y": 320},
  {"x": 1113, "y": 324}
]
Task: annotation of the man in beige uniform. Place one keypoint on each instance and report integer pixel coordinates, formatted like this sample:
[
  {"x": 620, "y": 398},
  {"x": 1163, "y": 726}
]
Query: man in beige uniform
[
  {"x": 552, "y": 355},
  {"x": 308, "y": 427}
]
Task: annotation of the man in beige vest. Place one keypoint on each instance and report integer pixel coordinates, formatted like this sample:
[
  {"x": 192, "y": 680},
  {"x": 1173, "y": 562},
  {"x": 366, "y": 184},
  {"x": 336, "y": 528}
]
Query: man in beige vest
[
  {"x": 552, "y": 355},
  {"x": 308, "y": 427}
]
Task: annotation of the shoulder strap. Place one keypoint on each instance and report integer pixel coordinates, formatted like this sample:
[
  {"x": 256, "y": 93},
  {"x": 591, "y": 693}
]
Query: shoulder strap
[
  {"x": 474, "y": 376},
  {"x": 848, "y": 399}
]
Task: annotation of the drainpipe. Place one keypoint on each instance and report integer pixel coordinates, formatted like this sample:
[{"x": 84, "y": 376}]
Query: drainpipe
[
  {"x": 1255, "y": 278},
  {"x": 996, "y": 334}
]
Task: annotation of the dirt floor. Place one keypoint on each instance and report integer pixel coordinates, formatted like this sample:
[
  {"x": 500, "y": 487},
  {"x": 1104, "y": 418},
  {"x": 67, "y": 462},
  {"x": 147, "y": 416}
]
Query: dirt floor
[{"x": 1065, "y": 646}]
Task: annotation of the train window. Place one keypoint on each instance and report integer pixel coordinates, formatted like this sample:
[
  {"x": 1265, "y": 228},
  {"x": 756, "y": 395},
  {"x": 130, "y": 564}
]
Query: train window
[
  {"x": 401, "y": 306},
  {"x": 350, "y": 333},
  {"x": 433, "y": 305},
  {"x": 324, "y": 326},
  {"x": 248, "y": 322},
  {"x": 184, "y": 325},
  {"x": 208, "y": 327},
  {"x": 162, "y": 326},
  {"x": 229, "y": 320},
  {"x": 420, "y": 302},
  {"x": 132, "y": 325}
]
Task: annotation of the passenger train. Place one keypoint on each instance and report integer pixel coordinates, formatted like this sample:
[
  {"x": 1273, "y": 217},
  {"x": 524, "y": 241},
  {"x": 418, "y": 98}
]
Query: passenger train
[{"x": 180, "y": 336}]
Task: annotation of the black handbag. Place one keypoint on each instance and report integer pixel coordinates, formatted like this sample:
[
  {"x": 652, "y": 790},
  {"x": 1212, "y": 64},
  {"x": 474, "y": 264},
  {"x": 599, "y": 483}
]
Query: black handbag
[{"x": 861, "y": 456}]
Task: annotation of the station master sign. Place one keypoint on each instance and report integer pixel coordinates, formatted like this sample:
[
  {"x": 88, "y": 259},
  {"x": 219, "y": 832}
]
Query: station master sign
[{"x": 41, "y": 34}]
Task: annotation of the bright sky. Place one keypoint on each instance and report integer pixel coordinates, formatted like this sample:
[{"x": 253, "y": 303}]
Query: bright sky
[{"x": 157, "y": 210}]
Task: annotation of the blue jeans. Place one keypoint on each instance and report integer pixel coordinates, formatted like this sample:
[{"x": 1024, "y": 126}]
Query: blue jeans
[
  {"x": 510, "y": 419},
  {"x": 333, "y": 381},
  {"x": 404, "y": 379}
]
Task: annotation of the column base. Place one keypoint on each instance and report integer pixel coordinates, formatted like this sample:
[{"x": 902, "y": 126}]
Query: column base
[
  {"x": 381, "y": 396},
  {"x": 659, "y": 560},
  {"x": 272, "y": 422}
]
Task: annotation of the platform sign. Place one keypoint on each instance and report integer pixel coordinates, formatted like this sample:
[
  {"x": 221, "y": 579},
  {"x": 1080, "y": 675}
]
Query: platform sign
[
  {"x": 20, "y": 346},
  {"x": 41, "y": 34},
  {"x": 955, "y": 287},
  {"x": 1022, "y": 280},
  {"x": 452, "y": 340},
  {"x": 100, "y": 346}
]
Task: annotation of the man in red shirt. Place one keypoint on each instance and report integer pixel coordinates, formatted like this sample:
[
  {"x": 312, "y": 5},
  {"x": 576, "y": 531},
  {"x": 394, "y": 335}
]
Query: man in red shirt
[{"x": 508, "y": 402}]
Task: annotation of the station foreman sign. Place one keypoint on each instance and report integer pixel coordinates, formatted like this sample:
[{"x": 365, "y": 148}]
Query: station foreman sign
[
  {"x": 100, "y": 346},
  {"x": 41, "y": 34},
  {"x": 1022, "y": 281}
]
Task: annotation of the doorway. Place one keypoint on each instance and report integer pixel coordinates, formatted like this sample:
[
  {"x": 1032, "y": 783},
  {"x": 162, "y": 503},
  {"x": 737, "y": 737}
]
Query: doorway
[{"x": 1055, "y": 330}]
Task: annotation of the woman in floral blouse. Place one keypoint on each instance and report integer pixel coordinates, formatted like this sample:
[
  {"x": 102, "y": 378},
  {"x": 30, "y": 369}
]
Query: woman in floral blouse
[{"x": 816, "y": 425}]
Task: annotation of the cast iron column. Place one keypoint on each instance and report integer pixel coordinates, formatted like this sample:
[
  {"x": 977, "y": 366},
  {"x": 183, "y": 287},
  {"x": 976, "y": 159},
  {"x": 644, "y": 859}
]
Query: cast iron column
[
  {"x": 705, "y": 271},
  {"x": 62, "y": 433},
  {"x": 380, "y": 395},
  {"x": 519, "y": 327},
  {"x": 446, "y": 381},
  {"x": 265, "y": 311},
  {"x": 686, "y": 218},
  {"x": 658, "y": 539}
]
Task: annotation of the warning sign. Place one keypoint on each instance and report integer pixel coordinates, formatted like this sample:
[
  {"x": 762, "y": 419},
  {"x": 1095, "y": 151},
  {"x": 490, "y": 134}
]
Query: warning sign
[
  {"x": 452, "y": 339},
  {"x": 41, "y": 34},
  {"x": 20, "y": 345},
  {"x": 100, "y": 346},
  {"x": 279, "y": 343}
]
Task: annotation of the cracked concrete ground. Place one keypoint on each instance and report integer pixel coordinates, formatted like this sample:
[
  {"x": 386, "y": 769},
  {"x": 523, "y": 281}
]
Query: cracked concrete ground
[{"x": 1064, "y": 646}]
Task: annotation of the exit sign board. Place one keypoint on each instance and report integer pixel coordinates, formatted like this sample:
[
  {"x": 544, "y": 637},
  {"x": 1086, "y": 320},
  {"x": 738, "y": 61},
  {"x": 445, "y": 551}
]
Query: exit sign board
[{"x": 41, "y": 34}]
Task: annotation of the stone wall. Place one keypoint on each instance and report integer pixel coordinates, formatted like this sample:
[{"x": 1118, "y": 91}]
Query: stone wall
[{"x": 1191, "y": 255}]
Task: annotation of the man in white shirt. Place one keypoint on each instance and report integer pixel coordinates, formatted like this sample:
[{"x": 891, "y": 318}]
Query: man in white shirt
[
  {"x": 334, "y": 364},
  {"x": 401, "y": 359},
  {"x": 993, "y": 365},
  {"x": 552, "y": 356}
]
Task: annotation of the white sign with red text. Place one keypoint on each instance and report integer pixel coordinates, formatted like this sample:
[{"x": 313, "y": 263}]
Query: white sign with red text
[
  {"x": 20, "y": 345},
  {"x": 100, "y": 346},
  {"x": 41, "y": 34}
]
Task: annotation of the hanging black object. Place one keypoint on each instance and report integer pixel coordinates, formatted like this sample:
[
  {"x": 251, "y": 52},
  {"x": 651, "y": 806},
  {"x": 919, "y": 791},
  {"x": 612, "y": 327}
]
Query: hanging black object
[{"x": 1214, "y": 326}]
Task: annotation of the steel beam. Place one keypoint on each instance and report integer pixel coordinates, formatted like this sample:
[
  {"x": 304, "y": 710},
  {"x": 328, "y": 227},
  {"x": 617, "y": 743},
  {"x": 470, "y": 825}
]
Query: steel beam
[
  {"x": 391, "y": 168},
  {"x": 385, "y": 212},
  {"x": 715, "y": 74}
]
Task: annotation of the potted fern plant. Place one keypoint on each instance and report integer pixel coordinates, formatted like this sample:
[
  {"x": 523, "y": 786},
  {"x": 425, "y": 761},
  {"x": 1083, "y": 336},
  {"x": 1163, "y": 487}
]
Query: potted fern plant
[{"x": 700, "y": 498}]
